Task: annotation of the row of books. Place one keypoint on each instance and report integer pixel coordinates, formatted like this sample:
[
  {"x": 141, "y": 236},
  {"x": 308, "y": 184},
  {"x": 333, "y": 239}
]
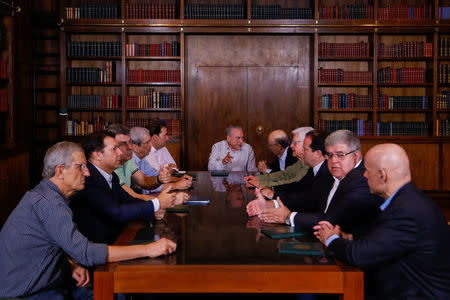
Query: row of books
[
  {"x": 444, "y": 127},
  {"x": 351, "y": 12},
  {"x": 443, "y": 99},
  {"x": 402, "y": 128},
  {"x": 341, "y": 76},
  {"x": 407, "y": 75},
  {"x": 444, "y": 47},
  {"x": 406, "y": 12},
  {"x": 444, "y": 13},
  {"x": 93, "y": 101},
  {"x": 163, "y": 49},
  {"x": 93, "y": 11},
  {"x": 104, "y": 74},
  {"x": 75, "y": 48},
  {"x": 141, "y": 76},
  {"x": 444, "y": 73},
  {"x": 360, "y": 127},
  {"x": 403, "y": 102},
  {"x": 76, "y": 127},
  {"x": 4, "y": 100},
  {"x": 149, "y": 10},
  {"x": 345, "y": 101},
  {"x": 405, "y": 49},
  {"x": 173, "y": 126},
  {"x": 270, "y": 12},
  {"x": 154, "y": 100},
  {"x": 215, "y": 11},
  {"x": 346, "y": 50},
  {"x": 3, "y": 69}
]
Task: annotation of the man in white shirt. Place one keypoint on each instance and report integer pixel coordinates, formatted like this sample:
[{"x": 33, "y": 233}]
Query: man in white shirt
[
  {"x": 159, "y": 155},
  {"x": 232, "y": 154}
]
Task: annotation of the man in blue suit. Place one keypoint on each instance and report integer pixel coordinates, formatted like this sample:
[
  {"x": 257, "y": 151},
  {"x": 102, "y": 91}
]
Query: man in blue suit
[
  {"x": 405, "y": 255},
  {"x": 103, "y": 208}
]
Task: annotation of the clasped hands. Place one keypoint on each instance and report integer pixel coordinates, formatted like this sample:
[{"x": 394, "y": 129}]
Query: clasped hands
[{"x": 266, "y": 211}]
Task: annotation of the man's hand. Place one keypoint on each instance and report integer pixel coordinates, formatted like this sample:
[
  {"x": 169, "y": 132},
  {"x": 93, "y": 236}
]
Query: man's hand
[
  {"x": 80, "y": 274},
  {"x": 324, "y": 230},
  {"x": 262, "y": 166},
  {"x": 160, "y": 247},
  {"x": 166, "y": 199},
  {"x": 159, "y": 214},
  {"x": 267, "y": 192},
  {"x": 183, "y": 184},
  {"x": 275, "y": 215},
  {"x": 251, "y": 181},
  {"x": 181, "y": 197},
  {"x": 256, "y": 206},
  {"x": 164, "y": 175},
  {"x": 227, "y": 159},
  {"x": 172, "y": 167}
]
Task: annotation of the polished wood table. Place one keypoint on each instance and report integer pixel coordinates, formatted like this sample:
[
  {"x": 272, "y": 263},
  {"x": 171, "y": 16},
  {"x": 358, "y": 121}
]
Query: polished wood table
[{"x": 220, "y": 250}]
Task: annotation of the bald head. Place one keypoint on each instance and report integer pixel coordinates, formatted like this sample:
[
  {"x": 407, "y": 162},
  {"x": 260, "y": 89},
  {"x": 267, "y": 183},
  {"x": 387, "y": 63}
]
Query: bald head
[
  {"x": 278, "y": 141},
  {"x": 387, "y": 168}
]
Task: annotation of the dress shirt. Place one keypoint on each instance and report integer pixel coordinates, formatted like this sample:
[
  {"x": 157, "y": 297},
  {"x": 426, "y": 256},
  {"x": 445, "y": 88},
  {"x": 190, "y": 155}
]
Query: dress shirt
[
  {"x": 148, "y": 170},
  {"x": 159, "y": 157},
  {"x": 36, "y": 240},
  {"x": 243, "y": 159},
  {"x": 330, "y": 195},
  {"x": 108, "y": 177},
  {"x": 317, "y": 167},
  {"x": 281, "y": 161}
]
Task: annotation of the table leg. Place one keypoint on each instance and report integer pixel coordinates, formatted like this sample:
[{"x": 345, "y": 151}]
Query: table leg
[{"x": 103, "y": 285}]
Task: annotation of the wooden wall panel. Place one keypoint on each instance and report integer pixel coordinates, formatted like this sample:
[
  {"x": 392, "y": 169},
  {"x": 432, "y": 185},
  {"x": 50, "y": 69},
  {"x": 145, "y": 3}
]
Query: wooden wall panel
[
  {"x": 424, "y": 163},
  {"x": 445, "y": 166},
  {"x": 247, "y": 80},
  {"x": 174, "y": 149}
]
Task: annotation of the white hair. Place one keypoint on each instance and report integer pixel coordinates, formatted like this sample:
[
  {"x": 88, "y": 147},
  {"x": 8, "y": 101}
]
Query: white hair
[
  {"x": 302, "y": 131},
  {"x": 59, "y": 154}
]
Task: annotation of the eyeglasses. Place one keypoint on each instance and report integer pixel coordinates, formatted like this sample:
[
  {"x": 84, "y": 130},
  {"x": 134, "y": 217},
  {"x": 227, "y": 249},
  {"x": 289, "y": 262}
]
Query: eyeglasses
[
  {"x": 124, "y": 144},
  {"x": 339, "y": 155},
  {"x": 80, "y": 166},
  {"x": 295, "y": 142}
]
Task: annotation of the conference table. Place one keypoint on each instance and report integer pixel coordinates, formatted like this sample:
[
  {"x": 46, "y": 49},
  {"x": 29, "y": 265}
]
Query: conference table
[{"x": 221, "y": 250}]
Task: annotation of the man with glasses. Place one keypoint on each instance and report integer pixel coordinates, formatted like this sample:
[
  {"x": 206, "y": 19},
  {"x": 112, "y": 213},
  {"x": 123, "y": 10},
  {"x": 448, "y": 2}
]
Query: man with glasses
[
  {"x": 292, "y": 173},
  {"x": 349, "y": 202},
  {"x": 278, "y": 143}
]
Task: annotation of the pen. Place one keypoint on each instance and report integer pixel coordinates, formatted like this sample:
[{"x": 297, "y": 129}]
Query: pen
[{"x": 265, "y": 197}]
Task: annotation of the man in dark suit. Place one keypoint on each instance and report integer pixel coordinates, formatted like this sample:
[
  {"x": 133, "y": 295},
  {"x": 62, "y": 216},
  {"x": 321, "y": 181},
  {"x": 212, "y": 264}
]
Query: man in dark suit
[
  {"x": 308, "y": 194},
  {"x": 278, "y": 142},
  {"x": 405, "y": 255},
  {"x": 348, "y": 202},
  {"x": 103, "y": 208}
]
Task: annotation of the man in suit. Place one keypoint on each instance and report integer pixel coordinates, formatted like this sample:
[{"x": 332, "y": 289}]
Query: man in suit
[
  {"x": 40, "y": 244},
  {"x": 405, "y": 255},
  {"x": 103, "y": 208},
  {"x": 349, "y": 201},
  {"x": 278, "y": 142}
]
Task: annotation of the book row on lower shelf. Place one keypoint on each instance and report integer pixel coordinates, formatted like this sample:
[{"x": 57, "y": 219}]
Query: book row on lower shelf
[
  {"x": 348, "y": 12},
  {"x": 141, "y": 76},
  {"x": 443, "y": 100},
  {"x": 93, "y": 11},
  {"x": 162, "y": 49},
  {"x": 78, "y": 48},
  {"x": 77, "y": 127},
  {"x": 149, "y": 10},
  {"x": 268, "y": 12},
  {"x": 406, "y": 75},
  {"x": 154, "y": 99},
  {"x": 354, "y": 101},
  {"x": 107, "y": 73},
  {"x": 93, "y": 101},
  {"x": 444, "y": 127},
  {"x": 341, "y": 76}
]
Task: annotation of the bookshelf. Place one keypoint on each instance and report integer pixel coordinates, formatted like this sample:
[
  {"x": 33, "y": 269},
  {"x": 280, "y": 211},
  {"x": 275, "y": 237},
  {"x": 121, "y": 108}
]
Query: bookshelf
[{"x": 375, "y": 65}]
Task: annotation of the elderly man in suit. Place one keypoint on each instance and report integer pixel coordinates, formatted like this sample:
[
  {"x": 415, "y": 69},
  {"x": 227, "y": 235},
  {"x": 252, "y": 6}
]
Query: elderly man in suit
[
  {"x": 405, "y": 255},
  {"x": 278, "y": 143}
]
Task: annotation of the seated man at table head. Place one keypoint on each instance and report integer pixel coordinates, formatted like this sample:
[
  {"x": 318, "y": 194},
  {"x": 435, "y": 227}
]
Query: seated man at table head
[
  {"x": 278, "y": 143},
  {"x": 159, "y": 155},
  {"x": 129, "y": 173},
  {"x": 307, "y": 195},
  {"x": 405, "y": 255},
  {"x": 292, "y": 173},
  {"x": 40, "y": 244},
  {"x": 232, "y": 154},
  {"x": 348, "y": 202},
  {"x": 103, "y": 208}
]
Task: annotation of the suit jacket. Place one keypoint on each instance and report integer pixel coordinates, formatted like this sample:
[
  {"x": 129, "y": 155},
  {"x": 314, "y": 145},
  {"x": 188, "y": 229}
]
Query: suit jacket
[
  {"x": 290, "y": 160},
  {"x": 310, "y": 193},
  {"x": 406, "y": 253},
  {"x": 101, "y": 213},
  {"x": 352, "y": 207}
]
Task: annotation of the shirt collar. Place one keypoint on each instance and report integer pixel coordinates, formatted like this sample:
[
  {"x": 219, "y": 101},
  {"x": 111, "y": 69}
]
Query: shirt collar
[
  {"x": 55, "y": 188},
  {"x": 317, "y": 167},
  {"x": 283, "y": 157},
  {"x": 388, "y": 200},
  {"x": 108, "y": 177},
  {"x": 136, "y": 158}
]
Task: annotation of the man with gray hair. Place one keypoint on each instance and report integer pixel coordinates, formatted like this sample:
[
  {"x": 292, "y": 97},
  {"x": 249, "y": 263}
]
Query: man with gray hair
[
  {"x": 349, "y": 202},
  {"x": 232, "y": 154},
  {"x": 292, "y": 173},
  {"x": 40, "y": 244}
]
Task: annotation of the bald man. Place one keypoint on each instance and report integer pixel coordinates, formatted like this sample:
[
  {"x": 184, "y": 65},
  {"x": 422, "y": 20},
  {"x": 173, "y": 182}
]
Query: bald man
[
  {"x": 278, "y": 142},
  {"x": 406, "y": 255}
]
